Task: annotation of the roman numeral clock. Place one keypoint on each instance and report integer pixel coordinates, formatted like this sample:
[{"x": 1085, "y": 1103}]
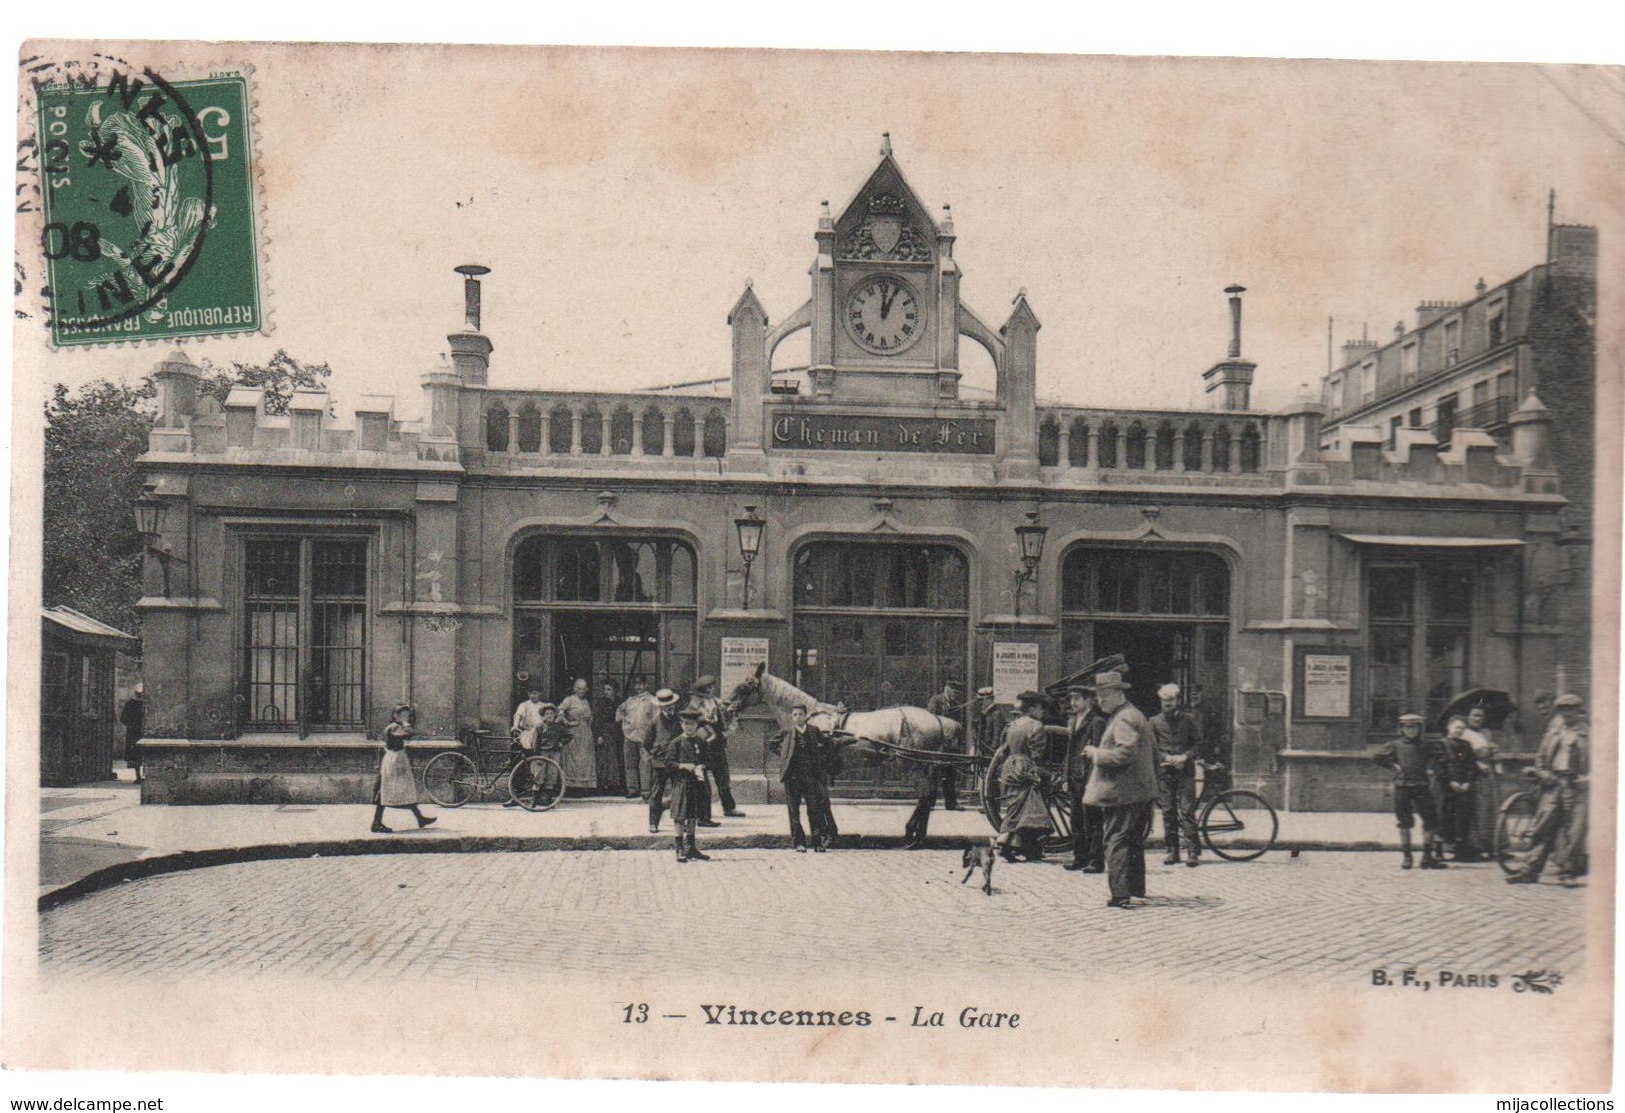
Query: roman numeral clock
[{"x": 883, "y": 314}]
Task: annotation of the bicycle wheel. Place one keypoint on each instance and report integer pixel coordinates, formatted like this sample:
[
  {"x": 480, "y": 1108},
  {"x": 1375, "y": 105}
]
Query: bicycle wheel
[
  {"x": 1239, "y": 825},
  {"x": 451, "y": 780},
  {"x": 1513, "y": 825},
  {"x": 536, "y": 783},
  {"x": 991, "y": 790}
]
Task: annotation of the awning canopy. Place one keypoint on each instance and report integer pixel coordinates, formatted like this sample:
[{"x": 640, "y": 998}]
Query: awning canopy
[{"x": 1406, "y": 541}]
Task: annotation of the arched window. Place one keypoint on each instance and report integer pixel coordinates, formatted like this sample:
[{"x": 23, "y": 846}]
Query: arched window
[
  {"x": 1135, "y": 454},
  {"x": 1193, "y": 447},
  {"x": 716, "y": 434},
  {"x": 559, "y": 431},
  {"x": 496, "y": 428},
  {"x": 530, "y": 429},
  {"x": 654, "y": 432},
  {"x": 1221, "y": 448},
  {"x": 592, "y": 431},
  {"x": 682, "y": 433},
  {"x": 1049, "y": 442},
  {"x": 1250, "y": 444},
  {"x": 1165, "y": 447},
  {"x": 620, "y": 432},
  {"x": 548, "y": 569},
  {"x": 1108, "y": 445},
  {"x": 1078, "y": 442}
]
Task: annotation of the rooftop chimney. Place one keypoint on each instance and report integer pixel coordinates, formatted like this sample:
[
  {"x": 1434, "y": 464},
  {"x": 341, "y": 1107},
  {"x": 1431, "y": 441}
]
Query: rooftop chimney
[
  {"x": 1355, "y": 350},
  {"x": 1235, "y": 293},
  {"x": 1430, "y": 311},
  {"x": 470, "y": 349},
  {"x": 1229, "y": 384}
]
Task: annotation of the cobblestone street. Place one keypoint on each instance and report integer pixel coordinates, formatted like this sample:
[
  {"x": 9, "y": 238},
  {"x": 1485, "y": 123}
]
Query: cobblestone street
[{"x": 1324, "y": 916}]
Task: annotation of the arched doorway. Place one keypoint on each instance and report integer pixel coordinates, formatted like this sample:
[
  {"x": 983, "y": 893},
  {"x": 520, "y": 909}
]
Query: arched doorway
[
  {"x": 602, "y": 608},
  {"x": 878, "y": 624},
  {"x": 1166, "y": 610}
]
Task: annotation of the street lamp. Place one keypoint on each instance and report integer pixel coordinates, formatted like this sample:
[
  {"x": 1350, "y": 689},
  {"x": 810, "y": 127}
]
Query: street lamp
[
  {"x": 750, "y": 543},
  {"x": 149, "y": 523},
  {"x": 1030, "y": 535}
]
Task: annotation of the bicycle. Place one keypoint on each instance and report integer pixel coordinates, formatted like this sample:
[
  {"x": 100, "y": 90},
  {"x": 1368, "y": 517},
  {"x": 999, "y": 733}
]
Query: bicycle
[
  {"x": 1237, "y": 824},
  {"x": 1053, "y": 789},
  {"x": 1514, "y": 825},
  {"x": 533, "y": 781}
]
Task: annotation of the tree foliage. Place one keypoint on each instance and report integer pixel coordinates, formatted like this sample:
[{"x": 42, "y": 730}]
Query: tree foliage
[
  {"x": 93, "y": 438},
  {"x": 278, "y": 376}
]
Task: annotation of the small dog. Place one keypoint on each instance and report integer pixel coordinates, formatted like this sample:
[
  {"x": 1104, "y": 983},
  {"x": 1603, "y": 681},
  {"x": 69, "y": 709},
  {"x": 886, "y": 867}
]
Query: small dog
[{"x": 980, "y": 857}]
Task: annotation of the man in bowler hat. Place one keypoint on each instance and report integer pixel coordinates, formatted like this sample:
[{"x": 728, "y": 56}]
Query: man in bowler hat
[{"x": 1123, "y": 783}]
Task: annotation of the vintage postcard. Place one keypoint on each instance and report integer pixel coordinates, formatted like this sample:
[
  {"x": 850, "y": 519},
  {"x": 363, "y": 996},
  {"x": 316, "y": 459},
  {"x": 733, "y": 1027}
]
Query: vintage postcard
[{"x": 814, "y": 567}]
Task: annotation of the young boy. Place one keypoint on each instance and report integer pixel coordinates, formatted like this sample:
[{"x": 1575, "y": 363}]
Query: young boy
[
  {"x": 682, "y": 758},
  {"x": 1415, "y": 761}
]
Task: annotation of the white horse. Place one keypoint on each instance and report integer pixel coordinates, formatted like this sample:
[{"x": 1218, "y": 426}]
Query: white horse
[{"x": 889, "y": 729}]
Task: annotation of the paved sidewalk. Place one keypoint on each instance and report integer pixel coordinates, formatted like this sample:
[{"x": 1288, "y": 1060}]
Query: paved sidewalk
[{"x": 93, "y": 833}]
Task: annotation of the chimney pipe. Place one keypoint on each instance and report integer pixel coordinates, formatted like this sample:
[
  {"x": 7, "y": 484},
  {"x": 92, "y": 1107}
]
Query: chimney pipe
[
  {"x": 1235, "y": 293},
  {"x": 471, "y": 293}
]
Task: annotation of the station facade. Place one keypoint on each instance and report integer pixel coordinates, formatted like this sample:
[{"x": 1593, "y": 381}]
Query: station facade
[{"x": 310, "y": 574}]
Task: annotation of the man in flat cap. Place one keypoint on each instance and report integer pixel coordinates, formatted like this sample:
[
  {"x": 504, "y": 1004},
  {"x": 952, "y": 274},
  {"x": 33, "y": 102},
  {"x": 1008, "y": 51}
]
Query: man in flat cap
[
  {"x": 1415, "y": 763},
  {"x": 1123, "y": 783},
  {"x": 1085, "y": 725},
  {"x": 991, "y": 721},
  {"x": 1179, "y": 748},
  {"x": 714, "y": 729},
  {"x": 1563, "y": 768}
]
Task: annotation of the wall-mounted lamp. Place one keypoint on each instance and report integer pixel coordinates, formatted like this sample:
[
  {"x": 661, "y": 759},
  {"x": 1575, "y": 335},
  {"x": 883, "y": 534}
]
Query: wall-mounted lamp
[
  {"x": 149, "y": 523},
  {"x": 1030, "y": 535},
  {"x": 750, "y": 543}
]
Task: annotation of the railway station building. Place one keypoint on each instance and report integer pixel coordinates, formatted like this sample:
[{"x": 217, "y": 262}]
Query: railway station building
[{"x": 864, "y": 525}]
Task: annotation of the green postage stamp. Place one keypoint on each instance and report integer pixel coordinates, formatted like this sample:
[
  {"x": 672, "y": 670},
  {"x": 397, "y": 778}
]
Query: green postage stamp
[{"x": 147, "y": 188}]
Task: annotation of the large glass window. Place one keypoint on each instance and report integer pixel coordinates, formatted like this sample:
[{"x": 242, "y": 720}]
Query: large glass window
[
  {"x": 304, "y": 638},
  {"x": 1420, "y": 619},
  {"x": 1134, "y": 581},
  {"x": 599, "y": 570},
  {"x": 880, "y": 624}
]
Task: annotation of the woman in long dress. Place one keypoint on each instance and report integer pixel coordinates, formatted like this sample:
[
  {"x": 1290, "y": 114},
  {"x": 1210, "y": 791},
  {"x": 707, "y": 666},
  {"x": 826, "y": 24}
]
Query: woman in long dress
[
  {"x": 1025, "y": 819},
  {"x": 580, "y": 757},
  {"x": 1486, "y": 803},
  {"x": 397, "y": 787}
]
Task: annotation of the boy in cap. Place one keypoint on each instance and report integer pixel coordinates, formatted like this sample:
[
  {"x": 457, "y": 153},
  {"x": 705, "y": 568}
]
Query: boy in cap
[
  {"x": 683, "y": 759},
  {"x": 1415, "y": 761},
  {"x": 1179, "y": 748}
]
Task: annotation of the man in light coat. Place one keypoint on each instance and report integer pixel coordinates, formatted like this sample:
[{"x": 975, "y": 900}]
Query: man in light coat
[
  {"x": 1123, "y": 783},
  {"x": 1563, "y": 769}
]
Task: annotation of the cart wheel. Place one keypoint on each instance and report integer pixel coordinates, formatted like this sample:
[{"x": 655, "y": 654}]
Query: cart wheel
[
  {"x": 990, "y": 787},
  {"x": 536, "y": 783},
  {"x": 1513, "y": 826},
  {"x": 451, "y": 780},
  {"x": 1059, "y": 803},
  {"x": 1239, "y": 825}
]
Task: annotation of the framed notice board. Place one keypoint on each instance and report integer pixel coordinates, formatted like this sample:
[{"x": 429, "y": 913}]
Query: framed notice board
[{"x": 1327, "y": 684}]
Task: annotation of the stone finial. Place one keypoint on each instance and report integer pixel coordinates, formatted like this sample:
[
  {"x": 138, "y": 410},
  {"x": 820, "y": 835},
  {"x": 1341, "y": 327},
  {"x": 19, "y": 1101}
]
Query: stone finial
[{"x": 885, "y": 144}]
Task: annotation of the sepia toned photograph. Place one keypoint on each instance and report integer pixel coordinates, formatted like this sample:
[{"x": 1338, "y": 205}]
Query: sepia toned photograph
[{"x": 796, "y": 566}]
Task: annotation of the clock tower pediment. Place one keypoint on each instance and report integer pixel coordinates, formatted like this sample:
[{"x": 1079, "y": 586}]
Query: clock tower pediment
[{"x": 885, "y": 292}]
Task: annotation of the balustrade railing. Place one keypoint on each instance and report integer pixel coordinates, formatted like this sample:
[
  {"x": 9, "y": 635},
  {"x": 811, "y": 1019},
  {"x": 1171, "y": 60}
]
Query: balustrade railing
[
  {"x": 1175, "y": 442},
  {"x": 633, "y": 425}
]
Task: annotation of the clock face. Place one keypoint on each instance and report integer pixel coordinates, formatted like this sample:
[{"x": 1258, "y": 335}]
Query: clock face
[{"x": 883, "y": 315}]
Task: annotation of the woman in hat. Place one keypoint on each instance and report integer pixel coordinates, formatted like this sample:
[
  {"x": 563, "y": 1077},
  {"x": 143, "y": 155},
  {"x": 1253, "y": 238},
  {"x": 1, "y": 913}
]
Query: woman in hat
[
  {"x": 397, "y": 787},
  {"x": 1024, "y": 820}
]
